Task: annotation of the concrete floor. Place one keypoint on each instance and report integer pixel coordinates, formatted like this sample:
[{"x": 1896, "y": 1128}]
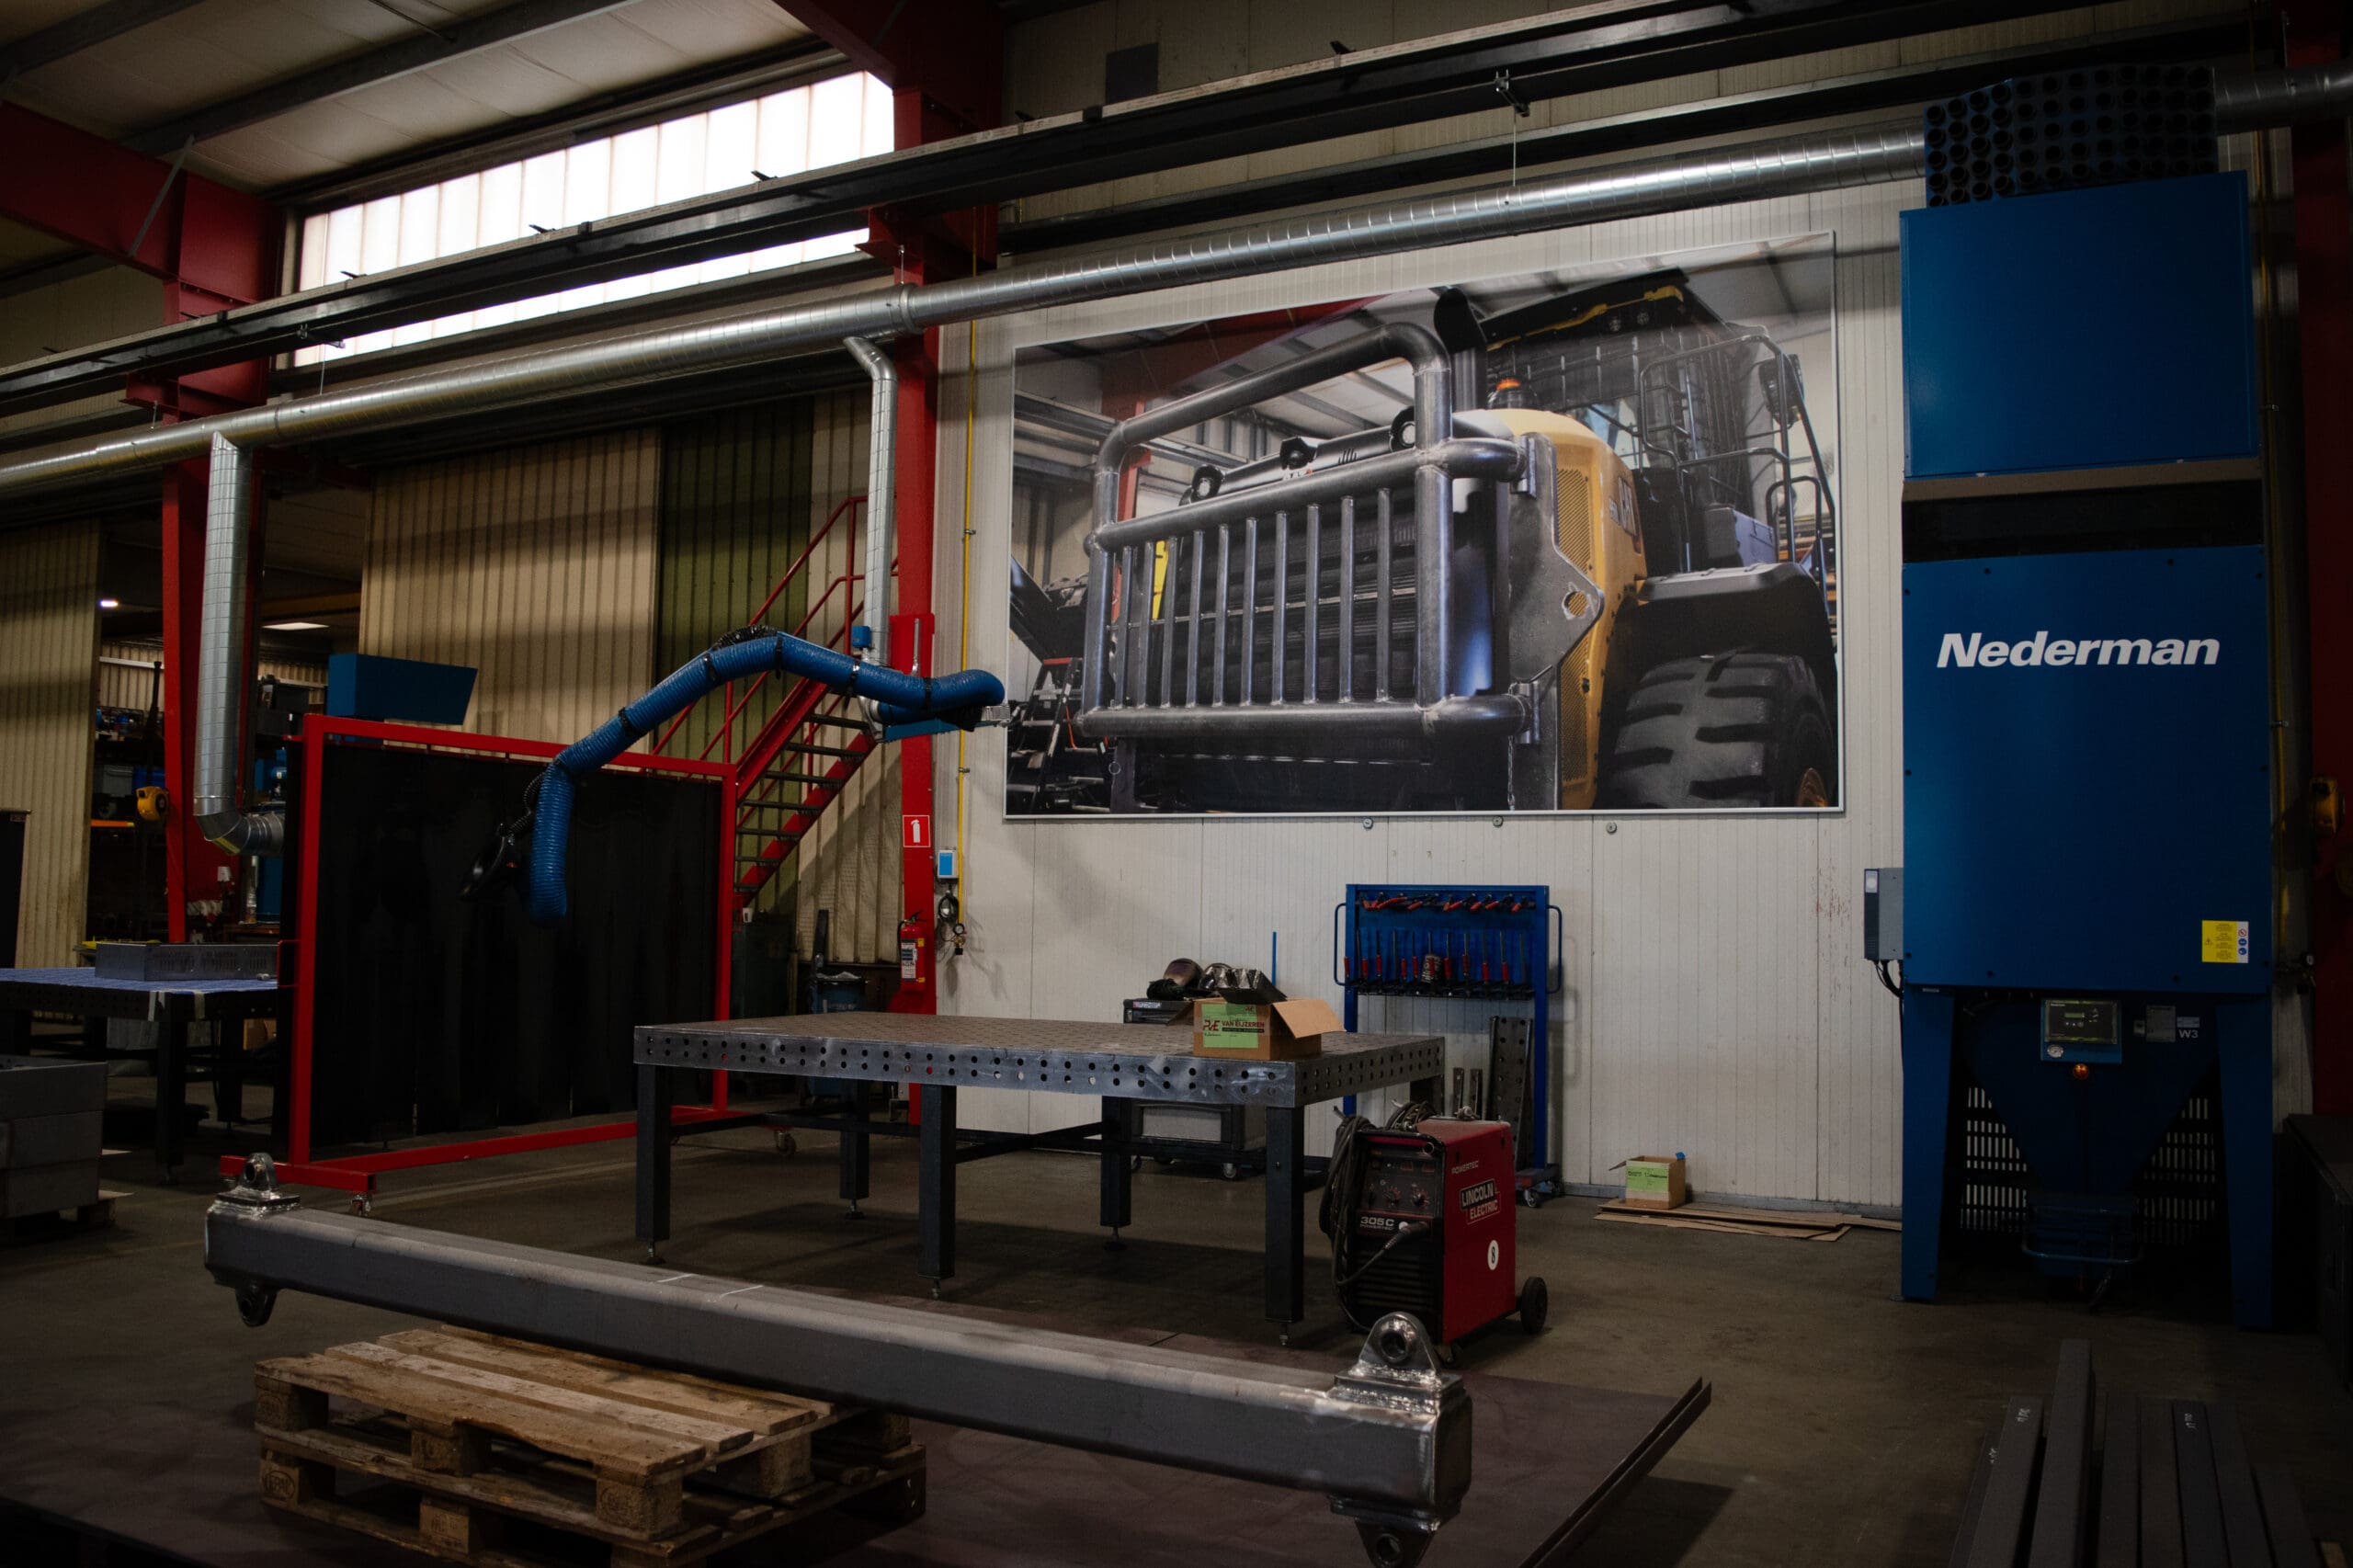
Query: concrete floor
[{"x": 1840, "y": 1430}]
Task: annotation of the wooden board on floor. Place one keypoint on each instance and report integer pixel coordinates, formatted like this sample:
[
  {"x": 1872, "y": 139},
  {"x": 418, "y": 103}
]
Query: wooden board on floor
[
  {"x": 1764, "y": 1219},
  {"x": 1683, "y": 1220}
]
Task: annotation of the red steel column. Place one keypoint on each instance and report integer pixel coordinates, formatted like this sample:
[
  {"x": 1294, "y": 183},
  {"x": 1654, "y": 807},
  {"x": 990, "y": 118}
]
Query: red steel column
[
  {"x": 2314, "y": 36},
  {"x": 920, "y": 249}
]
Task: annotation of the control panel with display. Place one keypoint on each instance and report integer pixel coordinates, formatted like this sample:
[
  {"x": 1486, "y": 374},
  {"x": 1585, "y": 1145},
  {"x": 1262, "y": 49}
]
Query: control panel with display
[{"x": 2080, "y": 1029}]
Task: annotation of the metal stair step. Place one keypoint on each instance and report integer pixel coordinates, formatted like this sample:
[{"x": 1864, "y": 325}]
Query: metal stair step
[
  {"x": 836, "y": 722},
  {"x": 812, "y": 749},
  {"x": 802, "y": 805},
  {"x": 785, "y": 776}
]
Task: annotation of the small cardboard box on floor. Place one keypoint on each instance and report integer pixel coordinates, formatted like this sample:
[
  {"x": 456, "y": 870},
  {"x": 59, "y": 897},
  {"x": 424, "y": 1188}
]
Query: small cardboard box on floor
[
  {"x": 1262, "y": 1031},
  {"x": 1656, "y": 1181}
]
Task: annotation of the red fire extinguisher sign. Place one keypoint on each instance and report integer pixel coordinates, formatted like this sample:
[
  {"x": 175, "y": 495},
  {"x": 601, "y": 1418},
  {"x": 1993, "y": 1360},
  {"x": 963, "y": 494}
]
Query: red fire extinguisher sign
[{"x": 916, "y": 831}]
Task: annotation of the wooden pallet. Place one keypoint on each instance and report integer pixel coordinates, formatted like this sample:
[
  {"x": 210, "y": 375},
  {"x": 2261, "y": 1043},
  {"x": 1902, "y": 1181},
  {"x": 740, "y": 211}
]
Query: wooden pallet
[{"x": 493, "y": 1451}]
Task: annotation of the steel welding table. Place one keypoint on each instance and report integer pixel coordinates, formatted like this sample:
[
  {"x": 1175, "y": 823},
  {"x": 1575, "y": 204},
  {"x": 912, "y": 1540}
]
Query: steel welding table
[
  {"x": 938, "y": 1055},
  {"x": 173, "y": 1004}
]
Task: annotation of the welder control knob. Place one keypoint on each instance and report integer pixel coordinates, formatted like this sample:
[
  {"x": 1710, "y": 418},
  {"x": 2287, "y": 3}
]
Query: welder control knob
[{"x": 1421, "y": 1200}]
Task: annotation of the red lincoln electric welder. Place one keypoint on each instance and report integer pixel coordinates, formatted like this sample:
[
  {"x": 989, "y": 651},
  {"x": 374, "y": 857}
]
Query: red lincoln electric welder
[{"x": 1423, "y": 1220}]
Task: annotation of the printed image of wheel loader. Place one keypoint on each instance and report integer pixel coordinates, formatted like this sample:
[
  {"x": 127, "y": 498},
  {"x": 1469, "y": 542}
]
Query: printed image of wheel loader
[{"x": 1611, "y": 585}]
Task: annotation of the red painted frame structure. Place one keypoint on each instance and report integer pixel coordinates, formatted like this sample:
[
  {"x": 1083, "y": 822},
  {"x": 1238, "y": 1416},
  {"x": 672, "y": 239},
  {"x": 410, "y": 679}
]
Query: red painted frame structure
[{"x": 358, "y": 1174}]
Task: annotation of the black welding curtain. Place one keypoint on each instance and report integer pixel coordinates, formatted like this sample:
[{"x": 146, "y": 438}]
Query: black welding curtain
[{"x": 437, "y": 1015}]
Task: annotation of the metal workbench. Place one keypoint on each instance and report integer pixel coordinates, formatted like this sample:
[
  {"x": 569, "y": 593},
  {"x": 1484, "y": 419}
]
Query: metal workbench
[
  {"x": 938, "y": 1055},
  {"x": 171, "y": 1004}
]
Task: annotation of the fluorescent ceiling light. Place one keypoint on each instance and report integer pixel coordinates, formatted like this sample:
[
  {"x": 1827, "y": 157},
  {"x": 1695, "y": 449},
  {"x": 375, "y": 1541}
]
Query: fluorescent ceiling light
[
  {"x": 110, "y": 604},
  {"x": 294, "y": 626}
]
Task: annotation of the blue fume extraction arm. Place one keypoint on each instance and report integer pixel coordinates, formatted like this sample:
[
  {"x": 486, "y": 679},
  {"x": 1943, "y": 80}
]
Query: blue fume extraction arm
[{"x": 899, "y": 698}]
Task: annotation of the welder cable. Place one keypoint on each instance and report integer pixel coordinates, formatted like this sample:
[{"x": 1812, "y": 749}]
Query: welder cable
[
  {"x": 1343, "y": 1179},
  {"x": 899, "y": 698},
  {"x": 1410, "y": 1228}
]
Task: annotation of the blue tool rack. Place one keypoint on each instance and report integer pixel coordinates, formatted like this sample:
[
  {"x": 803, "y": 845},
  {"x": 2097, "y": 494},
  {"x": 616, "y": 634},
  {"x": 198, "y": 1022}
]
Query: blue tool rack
[{"x": 1456, "y": 942}]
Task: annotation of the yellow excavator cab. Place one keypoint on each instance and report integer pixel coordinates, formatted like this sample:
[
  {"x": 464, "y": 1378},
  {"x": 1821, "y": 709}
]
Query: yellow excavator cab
[{"x": 1601, "y": 532}]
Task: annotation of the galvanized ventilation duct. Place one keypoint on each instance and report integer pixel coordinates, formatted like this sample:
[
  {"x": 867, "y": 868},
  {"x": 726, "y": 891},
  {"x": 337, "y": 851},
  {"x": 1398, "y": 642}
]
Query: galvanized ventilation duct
[
  {"x": 881, "y": 468},
  {"x": 1783, "y": 166}
]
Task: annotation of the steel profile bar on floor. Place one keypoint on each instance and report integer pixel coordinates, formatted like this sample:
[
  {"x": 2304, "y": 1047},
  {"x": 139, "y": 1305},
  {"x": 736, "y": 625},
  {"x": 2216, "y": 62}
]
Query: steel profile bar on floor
[{"x": 1387, "y": 1440}]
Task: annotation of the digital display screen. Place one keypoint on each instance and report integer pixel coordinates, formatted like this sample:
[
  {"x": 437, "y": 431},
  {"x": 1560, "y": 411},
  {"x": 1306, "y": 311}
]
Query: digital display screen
[{"x": 2079, "y": 1023}]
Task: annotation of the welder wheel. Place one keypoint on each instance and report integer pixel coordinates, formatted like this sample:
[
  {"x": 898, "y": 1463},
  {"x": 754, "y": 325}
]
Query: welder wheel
[
  {"x": 1741, "y": 729},
  {"x": 1534, "y": 1300},
  {"x": 787, "y": 1144}
]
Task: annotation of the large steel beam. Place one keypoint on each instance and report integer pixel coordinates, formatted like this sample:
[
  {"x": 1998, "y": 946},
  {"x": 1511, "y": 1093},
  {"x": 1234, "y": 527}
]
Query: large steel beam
[
  {"x": 2324, "y": 226},
  {"x": 1596, "y": 46},
  {"x": 214, "y": 247},
  {"x": 2205, "y": 37},
  {"x": 952, "y": 51},
  {"x": 63, "y": 39},
  {"x": 1389, "y": 1440}
]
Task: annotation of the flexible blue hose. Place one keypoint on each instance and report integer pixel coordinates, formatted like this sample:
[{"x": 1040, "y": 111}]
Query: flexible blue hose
[{"x": 900, "y": 698}]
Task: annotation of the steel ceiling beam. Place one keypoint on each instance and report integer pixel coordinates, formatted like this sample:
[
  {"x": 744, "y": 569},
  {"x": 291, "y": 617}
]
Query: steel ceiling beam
[
  {"x": 449, "y": 43},
  {"x": 62, "y": 41},
  {"x": 953, "y": 51},
  {"x": 1864, "y": 93},
  {"x": 1606, "y": 45}
]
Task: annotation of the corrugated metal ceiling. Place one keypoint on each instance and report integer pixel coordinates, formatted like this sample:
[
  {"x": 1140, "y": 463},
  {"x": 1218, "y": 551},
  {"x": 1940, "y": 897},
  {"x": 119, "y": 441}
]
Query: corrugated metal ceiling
[{"x": 220, "y": 48}]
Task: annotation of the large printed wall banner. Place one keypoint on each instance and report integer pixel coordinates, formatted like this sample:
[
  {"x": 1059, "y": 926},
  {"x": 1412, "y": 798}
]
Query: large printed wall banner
[{"x": 1553, "y": 543}]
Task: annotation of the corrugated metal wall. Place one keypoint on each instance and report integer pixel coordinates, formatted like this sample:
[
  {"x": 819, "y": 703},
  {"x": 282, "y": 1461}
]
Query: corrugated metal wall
[
  {"x": 743, "y": 494},
  {"x": 49, "y": 634},
  {"x": 535, "y": 566},
  {"x": 120, "y": 686},
  {"x": 735, "y": 515}
]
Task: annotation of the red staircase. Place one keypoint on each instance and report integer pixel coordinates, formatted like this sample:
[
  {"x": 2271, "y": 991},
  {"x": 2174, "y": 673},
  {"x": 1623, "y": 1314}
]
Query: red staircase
[{"x": 798, "y": 762}]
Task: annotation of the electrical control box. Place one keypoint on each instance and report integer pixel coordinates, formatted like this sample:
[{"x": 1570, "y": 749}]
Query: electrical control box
[
  {"x": 2081, "y": 1030},
  {"x": 1883, "y": 914}
]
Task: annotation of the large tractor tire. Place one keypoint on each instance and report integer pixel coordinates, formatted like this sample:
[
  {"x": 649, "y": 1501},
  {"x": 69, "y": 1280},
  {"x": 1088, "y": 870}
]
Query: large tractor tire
[{"x": 1722, "y": 729}]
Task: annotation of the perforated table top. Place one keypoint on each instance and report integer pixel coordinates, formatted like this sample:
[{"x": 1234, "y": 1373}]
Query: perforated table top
[
  {"x": 86, "y": 992},
  {"x": 1148, "y": 1062}
]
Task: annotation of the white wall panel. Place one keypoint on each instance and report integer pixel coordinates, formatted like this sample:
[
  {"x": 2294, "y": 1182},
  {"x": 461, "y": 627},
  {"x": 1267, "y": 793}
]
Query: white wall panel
[
  {"x": 49, "y": 635},
  {"x": 1715, "y": 1000}
]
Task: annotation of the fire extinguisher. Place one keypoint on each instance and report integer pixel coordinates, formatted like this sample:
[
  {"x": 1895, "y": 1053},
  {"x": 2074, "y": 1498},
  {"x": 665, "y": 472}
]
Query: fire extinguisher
[{"x": 914, "y": 955}]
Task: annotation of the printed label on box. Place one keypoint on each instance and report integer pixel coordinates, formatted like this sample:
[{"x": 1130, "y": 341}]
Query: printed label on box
[
  {"x": 2223, "y": 941},
  {"x": 1642, "y": 1177},
  {"x": 1237, "y": 1020}
]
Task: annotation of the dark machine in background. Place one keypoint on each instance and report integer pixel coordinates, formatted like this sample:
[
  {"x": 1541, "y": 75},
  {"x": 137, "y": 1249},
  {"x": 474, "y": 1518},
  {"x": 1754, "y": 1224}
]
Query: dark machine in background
[
  {"x": 1611, "y": 585},
  {"x": 1422, "y": 1221},
  {"x": 433, "y": 1013},
  {"x": 2084, "y": 919}
]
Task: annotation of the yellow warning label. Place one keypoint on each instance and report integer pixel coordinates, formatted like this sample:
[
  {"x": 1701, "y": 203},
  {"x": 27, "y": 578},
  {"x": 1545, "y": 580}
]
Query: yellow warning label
[{"x": 2223, "y": 941}]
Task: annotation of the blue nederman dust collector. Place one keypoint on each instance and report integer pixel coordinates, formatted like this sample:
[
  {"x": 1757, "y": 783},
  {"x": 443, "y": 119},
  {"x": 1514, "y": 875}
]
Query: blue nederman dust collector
[{"x": 2085, "y": 914}]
